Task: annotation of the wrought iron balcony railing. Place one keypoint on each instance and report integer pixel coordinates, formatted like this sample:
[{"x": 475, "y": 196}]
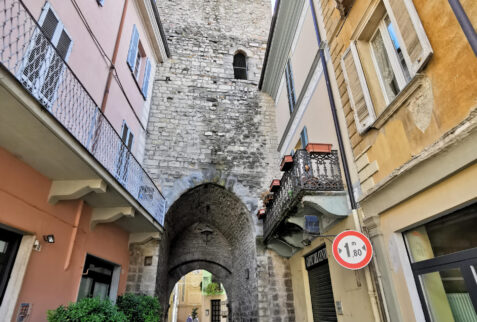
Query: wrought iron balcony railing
[
  {"x": 310, "y": 172},
  {"x": 35, "y": 56}
]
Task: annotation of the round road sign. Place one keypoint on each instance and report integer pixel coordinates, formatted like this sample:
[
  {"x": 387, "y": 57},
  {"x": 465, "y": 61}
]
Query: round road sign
[{"x": 352, "y": 249}]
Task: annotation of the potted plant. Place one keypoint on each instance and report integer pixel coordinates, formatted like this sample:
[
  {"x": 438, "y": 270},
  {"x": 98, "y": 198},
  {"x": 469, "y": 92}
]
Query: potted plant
[
  {"x": 318, "y": 147},
  {"x": 275, "y": 185},
  {"x": 261, "y": 214},
  {"x": 287, "y": 163}
]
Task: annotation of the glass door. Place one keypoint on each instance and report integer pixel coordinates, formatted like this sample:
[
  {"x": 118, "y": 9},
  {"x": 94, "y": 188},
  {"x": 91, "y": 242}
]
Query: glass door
[
  {"x": 448, "y": 287},
  {"x": 443, "y": 256}
]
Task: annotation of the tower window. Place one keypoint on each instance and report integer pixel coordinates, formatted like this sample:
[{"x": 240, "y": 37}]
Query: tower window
[{"x": 240, "y": 66}]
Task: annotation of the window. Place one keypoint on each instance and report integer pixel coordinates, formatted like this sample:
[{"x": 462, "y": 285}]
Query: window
[
  {"x": 391, "y": 49},
  {"x": 97, "y": 278},
  {"x": 240, "y": 66},
  {"x": 43, "y": 66},
  {"x": 290, "y": 86},
  {"x": 122, "y": 163},
  {"x": 138, "y": 63},
  {"x": 388, "y": 60},
  {"x": 443, "y": 256},
  {"x": 100, "y": 2},
  {"x": 9, "y": 243}
]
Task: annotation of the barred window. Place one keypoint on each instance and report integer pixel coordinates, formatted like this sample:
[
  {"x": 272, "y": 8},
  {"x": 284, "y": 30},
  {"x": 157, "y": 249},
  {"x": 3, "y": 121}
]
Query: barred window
[{"x": 240, "y": 66}]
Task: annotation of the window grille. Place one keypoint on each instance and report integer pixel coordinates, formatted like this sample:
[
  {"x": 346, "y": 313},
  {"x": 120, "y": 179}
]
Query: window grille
[{"x": 240, "y": 66}]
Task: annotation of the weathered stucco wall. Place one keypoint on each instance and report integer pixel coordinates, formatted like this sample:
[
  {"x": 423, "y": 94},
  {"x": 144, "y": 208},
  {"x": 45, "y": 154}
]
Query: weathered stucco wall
[{"x": 446, "y": 97}]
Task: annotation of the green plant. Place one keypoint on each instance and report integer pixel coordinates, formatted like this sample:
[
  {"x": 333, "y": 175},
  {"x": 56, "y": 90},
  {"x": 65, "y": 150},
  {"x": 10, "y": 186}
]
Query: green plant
[
  {"x": 194, "y": 313},
  {"x": 87, "y": 310},
  {"x": 213, "y": 289},
  {"x": 139, "y": 308}
]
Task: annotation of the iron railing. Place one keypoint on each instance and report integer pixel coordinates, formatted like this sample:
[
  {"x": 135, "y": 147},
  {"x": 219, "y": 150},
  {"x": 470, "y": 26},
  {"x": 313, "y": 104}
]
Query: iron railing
[
  {"x": 36, "y": 58},
  {"x": 310, "y": 172}
]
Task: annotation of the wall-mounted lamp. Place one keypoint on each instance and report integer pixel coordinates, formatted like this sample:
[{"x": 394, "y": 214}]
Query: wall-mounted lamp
[{"x": 50, "y": 239}]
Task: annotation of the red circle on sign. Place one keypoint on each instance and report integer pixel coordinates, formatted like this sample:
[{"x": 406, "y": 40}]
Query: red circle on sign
[{"x": 364, "y": 239}]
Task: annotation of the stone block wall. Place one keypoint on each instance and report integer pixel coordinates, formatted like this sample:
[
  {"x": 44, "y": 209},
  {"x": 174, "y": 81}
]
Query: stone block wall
[{"x": 207, "y": 127}]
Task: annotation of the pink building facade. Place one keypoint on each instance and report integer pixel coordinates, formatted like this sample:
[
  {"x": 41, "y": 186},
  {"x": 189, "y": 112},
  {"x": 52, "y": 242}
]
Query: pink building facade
[{"x": 75, "y": 89}]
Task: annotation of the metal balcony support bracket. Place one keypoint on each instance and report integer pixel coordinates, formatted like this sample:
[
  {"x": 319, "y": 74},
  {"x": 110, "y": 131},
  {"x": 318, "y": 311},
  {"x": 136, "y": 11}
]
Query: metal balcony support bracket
[
  {"x": 143, "y": 238},
  {"x": 108, "y": 215},
  {"x": 74, "y": 189}
]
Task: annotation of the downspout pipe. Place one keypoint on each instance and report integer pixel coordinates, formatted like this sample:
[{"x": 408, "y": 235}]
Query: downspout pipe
[
  {"x": 115, "y": 56},
  {"x": 349, "y": 184},
  {"x": 369, "y": 284}
]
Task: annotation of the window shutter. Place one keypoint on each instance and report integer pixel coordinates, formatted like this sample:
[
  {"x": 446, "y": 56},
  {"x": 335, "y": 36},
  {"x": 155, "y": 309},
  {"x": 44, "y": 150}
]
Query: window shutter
[
  {"x": 147, "y": 75},
  {"x": 133, "y": 47},
  {"x": 357, "y": 89},
  {"x": 411, "y": 35}
]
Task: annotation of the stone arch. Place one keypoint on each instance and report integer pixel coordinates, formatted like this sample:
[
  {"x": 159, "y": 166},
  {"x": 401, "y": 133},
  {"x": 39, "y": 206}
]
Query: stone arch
[
  {"x": 211, "y": 175},
  {"x": 209, "y": 227}
]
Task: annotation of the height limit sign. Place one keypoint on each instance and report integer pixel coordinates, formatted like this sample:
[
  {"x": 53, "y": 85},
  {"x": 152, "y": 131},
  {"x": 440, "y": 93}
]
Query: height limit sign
[{"x": 352, "y": 249}]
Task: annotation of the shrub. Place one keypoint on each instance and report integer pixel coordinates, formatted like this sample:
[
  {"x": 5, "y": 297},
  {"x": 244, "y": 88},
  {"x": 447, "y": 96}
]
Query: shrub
[
  {"x": 139, "y": 308},
  {"x": 87, "y": 310}
]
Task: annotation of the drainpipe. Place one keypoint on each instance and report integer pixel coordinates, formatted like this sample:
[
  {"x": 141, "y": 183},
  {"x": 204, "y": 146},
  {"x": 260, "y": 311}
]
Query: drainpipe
[
  {"x": 73, "y": 234},
  {"x": 115, "y": 56},
  {"x": 369, "y": 284}
]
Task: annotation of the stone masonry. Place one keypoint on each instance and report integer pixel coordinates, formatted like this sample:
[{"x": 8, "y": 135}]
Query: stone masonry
[{"x": 211, "y": 147}]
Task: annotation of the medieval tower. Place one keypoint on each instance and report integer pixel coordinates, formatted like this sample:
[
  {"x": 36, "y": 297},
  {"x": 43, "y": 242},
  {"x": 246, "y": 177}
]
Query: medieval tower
[{"x": 211, "y": 147}]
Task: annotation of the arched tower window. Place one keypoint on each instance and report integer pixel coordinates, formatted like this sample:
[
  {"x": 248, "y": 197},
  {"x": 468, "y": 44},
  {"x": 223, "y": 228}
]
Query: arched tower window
[{"x": 240, "y": 66}]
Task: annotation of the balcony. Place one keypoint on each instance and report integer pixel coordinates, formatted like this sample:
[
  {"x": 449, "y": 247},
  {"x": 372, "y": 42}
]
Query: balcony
[
  {"x": 310, "y": 186},
  {"x": 28, "y": 56}
]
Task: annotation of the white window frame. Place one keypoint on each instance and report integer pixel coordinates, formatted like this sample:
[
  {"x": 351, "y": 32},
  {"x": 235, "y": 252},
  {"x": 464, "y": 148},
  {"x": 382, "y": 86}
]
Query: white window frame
[
  {"x": 36, "y": 86},
  {"x": 393, "y": 59}
]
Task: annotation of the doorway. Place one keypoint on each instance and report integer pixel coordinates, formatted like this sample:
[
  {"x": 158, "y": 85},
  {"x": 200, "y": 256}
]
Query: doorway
[
  {"x": 443, "y": 257},
  {"x": 215, "y": 307},
  {"x": 9, "y": 244}
]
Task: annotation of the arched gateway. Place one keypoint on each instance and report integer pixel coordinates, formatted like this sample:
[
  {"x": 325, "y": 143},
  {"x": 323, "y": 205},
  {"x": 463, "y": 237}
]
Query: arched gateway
[{"x": 209, "y": 227}]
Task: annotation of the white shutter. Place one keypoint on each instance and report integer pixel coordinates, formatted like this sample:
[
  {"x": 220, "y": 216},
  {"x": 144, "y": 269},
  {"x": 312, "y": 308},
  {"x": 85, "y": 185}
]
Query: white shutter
[
  {"x": 133, "y": 47},
  {"x": 358, "y": 92},
  {"x": 411, "y": 35}
]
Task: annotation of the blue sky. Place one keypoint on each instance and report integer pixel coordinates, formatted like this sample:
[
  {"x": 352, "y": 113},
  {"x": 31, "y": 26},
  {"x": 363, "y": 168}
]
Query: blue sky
[{"x": 273, "y": 4}]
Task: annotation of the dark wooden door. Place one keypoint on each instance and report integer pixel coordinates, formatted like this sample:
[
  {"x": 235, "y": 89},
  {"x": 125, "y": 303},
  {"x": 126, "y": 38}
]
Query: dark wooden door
[{"x": 215, "y": 306}]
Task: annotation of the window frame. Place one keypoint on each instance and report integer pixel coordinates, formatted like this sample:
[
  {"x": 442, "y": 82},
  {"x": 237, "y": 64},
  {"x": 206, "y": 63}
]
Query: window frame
[
  {"x": 393, "y": 60},
  {"x": 240, "y": 68}
]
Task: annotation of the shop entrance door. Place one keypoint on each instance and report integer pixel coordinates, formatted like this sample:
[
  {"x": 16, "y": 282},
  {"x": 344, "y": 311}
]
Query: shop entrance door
[
  {"x": 9, "y": 243},
  {"x": 321, "y": 291},
  {"x": 215, "y": 306}
]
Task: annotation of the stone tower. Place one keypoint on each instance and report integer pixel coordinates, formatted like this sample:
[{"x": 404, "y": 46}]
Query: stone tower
[{"x": 211, "y": 147}]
